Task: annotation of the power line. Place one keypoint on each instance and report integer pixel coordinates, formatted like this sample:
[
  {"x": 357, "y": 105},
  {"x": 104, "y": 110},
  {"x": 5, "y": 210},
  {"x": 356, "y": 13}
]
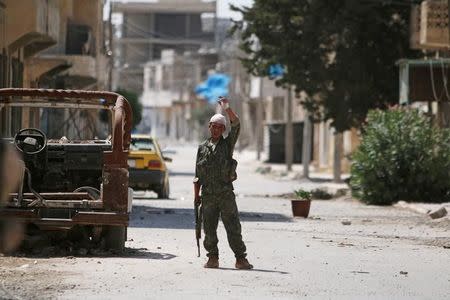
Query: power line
[
  {"x": 433, "y": 87},
  {"x": 444, "y": 80}
]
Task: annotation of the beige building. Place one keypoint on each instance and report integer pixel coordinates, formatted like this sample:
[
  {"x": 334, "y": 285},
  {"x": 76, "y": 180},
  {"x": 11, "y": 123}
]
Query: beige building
[
  {"x": 325, "y": 142},
  {"x": 148, "y": 28},
  {"x": 50, "y": 44},
  {"x": 168, "y": 93}
]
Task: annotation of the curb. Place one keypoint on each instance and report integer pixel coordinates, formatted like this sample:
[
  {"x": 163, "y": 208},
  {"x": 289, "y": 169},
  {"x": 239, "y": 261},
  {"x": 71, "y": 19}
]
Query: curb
[
  {"x": 414, "y": 207},
  {"x": 434, "y": 211}
]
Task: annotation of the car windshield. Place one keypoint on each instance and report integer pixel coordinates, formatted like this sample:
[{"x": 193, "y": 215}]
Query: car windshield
[
  {"x": 142, "y": 144},
  {"x": 58, "y": 123}
]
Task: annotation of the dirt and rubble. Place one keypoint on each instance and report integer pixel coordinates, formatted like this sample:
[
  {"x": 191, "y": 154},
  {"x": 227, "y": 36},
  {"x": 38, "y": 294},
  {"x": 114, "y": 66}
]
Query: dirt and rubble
[{"x": 28, "y": 278}]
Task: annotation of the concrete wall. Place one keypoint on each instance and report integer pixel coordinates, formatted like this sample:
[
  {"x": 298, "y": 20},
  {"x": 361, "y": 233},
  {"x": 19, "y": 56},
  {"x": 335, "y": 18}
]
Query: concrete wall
[
  {"x": 31, "y": 18},
  {"x": 87, "y": 12}
]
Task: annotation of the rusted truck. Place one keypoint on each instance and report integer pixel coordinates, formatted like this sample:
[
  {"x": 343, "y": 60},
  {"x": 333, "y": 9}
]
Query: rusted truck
[{"x": 70, "y": 178}]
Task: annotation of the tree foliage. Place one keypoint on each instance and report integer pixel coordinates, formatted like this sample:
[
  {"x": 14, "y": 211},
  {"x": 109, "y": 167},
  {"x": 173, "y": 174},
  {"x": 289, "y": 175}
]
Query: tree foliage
[
  {"x": 341, "y": 53},
  {"x": 136, "y": 106}
]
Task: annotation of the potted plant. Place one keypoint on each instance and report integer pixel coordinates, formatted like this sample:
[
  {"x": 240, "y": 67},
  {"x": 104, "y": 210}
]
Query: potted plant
[{"x": 302, "y": 203}]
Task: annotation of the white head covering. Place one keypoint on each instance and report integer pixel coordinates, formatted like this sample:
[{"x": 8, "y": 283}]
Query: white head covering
[{"x": 218, "y": 118}]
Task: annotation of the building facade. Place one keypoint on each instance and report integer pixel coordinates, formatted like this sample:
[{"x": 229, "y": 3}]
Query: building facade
[
  {"x": 51, "y": 44},
  {"x": 146, "y": 29}
]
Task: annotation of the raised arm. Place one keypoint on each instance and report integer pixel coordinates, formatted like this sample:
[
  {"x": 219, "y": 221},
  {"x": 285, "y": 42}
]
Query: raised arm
[
  {"x": 225, "y": 103},
  {"x": 234, "y": 119}
]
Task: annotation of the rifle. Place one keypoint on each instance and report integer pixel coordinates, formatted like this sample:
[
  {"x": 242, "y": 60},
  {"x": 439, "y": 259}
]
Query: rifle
[{"x": 198, "y": 224}]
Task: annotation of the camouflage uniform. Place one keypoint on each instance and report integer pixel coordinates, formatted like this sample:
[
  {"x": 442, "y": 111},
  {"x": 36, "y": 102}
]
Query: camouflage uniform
[{"x": 214, "y": 172}]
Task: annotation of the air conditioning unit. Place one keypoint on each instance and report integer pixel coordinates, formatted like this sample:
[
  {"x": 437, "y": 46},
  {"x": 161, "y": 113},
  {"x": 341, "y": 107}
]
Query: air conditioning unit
[{"x": 434, "y": 33}]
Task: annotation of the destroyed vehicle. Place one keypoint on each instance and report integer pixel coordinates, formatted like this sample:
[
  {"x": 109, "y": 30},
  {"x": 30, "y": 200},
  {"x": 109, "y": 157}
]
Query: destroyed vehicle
[{"x": 74, "y": 146}]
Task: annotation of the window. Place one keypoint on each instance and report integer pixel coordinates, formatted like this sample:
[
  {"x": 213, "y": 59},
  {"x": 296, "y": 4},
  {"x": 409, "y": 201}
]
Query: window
[{"x": 142, "y": 144}]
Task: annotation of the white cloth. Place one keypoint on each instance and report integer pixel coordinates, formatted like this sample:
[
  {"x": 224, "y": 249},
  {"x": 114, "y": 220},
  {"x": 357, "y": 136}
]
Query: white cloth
[{"x": 218, "y": 118}]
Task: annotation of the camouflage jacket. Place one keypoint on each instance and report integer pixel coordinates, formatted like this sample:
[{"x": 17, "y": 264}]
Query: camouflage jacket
[{"x": 215, "y": 168}]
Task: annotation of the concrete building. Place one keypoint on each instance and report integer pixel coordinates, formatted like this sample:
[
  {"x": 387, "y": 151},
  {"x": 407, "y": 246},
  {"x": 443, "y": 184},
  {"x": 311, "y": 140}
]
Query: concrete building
[
  {"x": 149, "y": 28},
  {"x": 28, "y": 27},
  {"x": 51, "y": 44},
  {"x": 81, "y": 44},
  {"x": 325, "y": 141},
  {"x": 168, "y": 93}
]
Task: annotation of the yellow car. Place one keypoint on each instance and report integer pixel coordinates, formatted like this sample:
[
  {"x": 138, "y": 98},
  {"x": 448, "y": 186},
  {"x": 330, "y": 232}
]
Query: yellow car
[{"x": 147, "y": 166}]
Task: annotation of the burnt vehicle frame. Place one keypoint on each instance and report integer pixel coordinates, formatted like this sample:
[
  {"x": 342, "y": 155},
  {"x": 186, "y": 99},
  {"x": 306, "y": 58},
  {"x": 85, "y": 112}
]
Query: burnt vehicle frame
[{"x": 106, "y": 213}]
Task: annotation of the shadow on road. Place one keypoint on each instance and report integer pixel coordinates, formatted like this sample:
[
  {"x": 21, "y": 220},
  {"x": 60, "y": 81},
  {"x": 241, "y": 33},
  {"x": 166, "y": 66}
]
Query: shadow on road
[
  {"x": 183, "y": 218},
  {"x": 255, "y": 270},
  {"x": 72, "y": 253},
  {"x": 143, "y": 253},
  {"x": 189, "y": 174}
]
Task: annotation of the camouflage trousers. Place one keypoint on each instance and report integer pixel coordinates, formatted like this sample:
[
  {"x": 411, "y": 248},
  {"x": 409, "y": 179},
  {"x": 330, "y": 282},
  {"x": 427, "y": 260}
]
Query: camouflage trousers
[{"x": 222, "y": 205}]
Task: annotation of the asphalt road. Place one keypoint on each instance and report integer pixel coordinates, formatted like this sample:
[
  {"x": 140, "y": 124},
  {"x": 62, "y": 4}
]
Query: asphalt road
[{"x": 386, "y": 252}]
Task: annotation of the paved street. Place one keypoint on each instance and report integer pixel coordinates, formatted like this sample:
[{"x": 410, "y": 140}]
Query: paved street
[{"x": 386, "y": 252}]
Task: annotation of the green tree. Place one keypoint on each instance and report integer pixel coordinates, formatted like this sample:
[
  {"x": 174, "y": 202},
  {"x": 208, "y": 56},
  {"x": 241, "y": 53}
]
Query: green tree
[
  {"x": 341, "y": 53},
  {"x": 136, "y": 106}
]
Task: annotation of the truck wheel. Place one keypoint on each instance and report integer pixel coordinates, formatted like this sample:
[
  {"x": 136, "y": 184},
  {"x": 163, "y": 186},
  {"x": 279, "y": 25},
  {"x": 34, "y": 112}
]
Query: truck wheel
[{"x": 115, "y": 237}]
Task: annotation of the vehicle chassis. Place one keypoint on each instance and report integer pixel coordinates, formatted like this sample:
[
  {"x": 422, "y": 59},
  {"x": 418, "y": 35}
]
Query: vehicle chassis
[{"x": 111, "y": 209}]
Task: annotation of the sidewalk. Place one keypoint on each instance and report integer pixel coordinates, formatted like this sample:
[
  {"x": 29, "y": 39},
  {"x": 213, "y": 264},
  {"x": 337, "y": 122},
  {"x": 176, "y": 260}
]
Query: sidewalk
[
  {"x": 278, "y": 172},
  {"x": 324, "y": 180},
  {"x": 425, "y": 208}
]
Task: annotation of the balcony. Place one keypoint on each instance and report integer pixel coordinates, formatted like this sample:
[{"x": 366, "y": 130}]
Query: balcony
[{"x": 32, "y": 25}]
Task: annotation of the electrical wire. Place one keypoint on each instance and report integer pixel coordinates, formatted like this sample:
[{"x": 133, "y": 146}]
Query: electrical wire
[
  {"x": 146, "y": 33},
  {"x": 433, "y": 85},
  {"x": 272, "y": 129},
  {"x": 89, "y": 189},
  {"x": 444, "y": 80}
]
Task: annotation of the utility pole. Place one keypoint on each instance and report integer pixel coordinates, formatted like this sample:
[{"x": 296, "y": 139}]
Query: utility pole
[
  {"x": 259, "y": 120},
  {"x": 443, "y": 113},
  {"x": 338, "y": 144},
  {"x": 307, "y": 137},
  {"x": 445, "y": 105},
  {"x": 289, "y": 135},
  {"x": 110, "y": 50}
]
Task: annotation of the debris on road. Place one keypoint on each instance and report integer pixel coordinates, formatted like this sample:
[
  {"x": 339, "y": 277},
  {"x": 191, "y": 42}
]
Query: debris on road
[
  {"x": 360, "y": 272},
  {"x": 264, "y": 170},
  {"x": 345, "y": 245},
  {"x": 321, "y": 194},
  {"x": 346, "y": 222},
  {"x": 403, "y": 273},
  {"x": 439, "y": 213}
]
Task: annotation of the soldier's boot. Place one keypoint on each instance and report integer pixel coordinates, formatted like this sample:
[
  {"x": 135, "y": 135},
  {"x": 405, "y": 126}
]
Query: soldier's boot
[
  {"x": 242, "y": 263},
  {"x": 213, "y": 262}
]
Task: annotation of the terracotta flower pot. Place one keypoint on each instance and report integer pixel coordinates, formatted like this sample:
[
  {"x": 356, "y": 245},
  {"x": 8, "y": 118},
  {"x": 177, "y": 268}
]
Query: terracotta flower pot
[{"x": 300, "y": 208}]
